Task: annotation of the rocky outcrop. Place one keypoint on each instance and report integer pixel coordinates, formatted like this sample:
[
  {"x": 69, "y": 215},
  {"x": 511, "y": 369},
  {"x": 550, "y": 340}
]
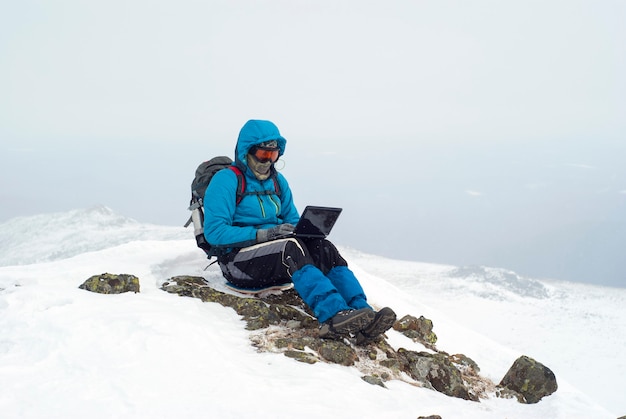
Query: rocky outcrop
[
  {"x": 531, "y": 379},
  {"x": 419, "y": 329},
  {"x": 282, "y": 323},
  {"x": 439, "y": 371},
  {"x": 107, "y": 283}
]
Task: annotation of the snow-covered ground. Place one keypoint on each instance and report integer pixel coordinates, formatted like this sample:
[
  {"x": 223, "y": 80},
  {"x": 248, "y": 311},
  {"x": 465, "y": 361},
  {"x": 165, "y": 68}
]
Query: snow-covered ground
[{"x": 66, "y": 352}]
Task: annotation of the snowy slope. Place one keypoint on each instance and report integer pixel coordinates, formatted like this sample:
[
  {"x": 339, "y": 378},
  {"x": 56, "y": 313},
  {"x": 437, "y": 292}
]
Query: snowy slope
[
  {"x": 47, "y": 237},
  {"x": 66, "y": 352},
  {"x": 575, "y": 329}
]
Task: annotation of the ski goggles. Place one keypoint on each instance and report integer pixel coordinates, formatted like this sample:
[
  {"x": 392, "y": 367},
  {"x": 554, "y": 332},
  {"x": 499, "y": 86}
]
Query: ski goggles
[{"x": 263, "y": 155}]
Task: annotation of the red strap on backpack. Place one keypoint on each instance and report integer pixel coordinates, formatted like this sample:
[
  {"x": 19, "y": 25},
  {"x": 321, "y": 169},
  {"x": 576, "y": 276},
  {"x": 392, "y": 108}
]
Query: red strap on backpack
[{"x": 241, "y": 183}]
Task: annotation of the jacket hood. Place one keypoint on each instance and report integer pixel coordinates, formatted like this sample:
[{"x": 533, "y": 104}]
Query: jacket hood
[{"x": 255, "y": 132}]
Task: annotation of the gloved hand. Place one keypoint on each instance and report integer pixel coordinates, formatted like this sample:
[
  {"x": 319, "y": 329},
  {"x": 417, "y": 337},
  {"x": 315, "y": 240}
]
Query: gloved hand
[{"x": 273, "y": 233}]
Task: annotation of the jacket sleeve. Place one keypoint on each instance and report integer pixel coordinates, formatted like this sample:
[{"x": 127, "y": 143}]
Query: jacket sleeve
[
  {"x": 289, "y": 213},
  {"x": 219, "y": 211}
]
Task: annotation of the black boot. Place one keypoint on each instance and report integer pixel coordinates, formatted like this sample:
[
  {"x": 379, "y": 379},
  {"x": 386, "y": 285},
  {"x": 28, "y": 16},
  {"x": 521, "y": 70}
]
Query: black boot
[
  {"x": 383, "y": 321},
  {"x": 346, "y": 322}
]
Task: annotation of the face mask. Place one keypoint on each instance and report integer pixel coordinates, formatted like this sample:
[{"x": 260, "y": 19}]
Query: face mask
[{"x": 260, "y": 170}]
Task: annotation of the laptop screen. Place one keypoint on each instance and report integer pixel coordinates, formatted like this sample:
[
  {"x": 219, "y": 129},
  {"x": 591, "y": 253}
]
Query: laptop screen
[{"x": 317, "y": 221}]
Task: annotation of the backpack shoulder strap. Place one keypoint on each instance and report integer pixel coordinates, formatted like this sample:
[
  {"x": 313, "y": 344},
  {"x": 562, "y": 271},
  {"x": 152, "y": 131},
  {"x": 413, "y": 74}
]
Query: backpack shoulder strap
[
  {"x": 241, "y": 183},
  {"x": 276, "y": 185}
]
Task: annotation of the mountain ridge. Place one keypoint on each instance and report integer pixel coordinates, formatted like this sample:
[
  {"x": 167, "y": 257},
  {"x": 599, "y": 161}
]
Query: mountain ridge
[{"x": 30, "y": 239}]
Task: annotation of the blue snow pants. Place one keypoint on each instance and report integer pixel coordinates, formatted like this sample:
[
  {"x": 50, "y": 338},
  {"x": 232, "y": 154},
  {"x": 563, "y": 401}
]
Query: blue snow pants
[{"x": 319, "y": 273}]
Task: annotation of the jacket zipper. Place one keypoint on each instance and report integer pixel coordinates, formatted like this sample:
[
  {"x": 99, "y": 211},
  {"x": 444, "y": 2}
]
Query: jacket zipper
[
  {"x": 261, "y": 206},
  {"x": 271, "y": 198}
]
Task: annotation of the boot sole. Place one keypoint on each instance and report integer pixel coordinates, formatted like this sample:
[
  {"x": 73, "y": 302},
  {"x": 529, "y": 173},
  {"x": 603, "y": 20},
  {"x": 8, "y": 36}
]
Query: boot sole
[
  {"x": 382, "y": 322},
  {"x": 350, "y": 325}
]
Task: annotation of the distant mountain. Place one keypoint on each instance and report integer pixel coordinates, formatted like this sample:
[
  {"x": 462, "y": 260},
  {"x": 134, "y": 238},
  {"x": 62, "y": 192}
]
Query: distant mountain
[
  {"x": 497, "y": 283},
  {"x": 72, "y": 233}
]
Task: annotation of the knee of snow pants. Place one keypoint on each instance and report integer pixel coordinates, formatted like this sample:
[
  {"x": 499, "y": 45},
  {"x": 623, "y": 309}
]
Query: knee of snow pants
[
  {"x": 345, "y": 282},
  {"x": 318, "y": 292},
  {"x": 264, "y": 264},
  {"x": 324, "y": 254}
]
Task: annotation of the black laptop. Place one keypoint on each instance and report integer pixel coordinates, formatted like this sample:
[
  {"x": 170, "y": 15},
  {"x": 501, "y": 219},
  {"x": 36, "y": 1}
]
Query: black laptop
[{"x": 316, "y": 222}]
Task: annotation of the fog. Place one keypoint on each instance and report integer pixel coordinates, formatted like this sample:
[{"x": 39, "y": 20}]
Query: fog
[{"x": 482, "y": 133}]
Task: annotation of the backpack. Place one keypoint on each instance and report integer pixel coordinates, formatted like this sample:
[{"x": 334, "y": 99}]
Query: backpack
[{"x": 204, "y": 174}]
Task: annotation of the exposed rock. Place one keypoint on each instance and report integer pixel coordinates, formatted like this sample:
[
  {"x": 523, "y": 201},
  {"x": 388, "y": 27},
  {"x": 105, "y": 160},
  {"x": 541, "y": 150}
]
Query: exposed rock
[
  {"x": 530, "y": 378},
  {"x": 430, "y": 417},
  {"x": 507, "y": 393},
  {"x": 439, "y": 371},
  {"x": 337, "y": 352},
  {"x": 476, "y": 385},
  {"x": 259, "y": 313},
  {"x": 419, "y": 329},
  {"x": 375, "y": 380},
  {"x": 282, "y": 323},
  {"x": 107, "y": 283},
  {"x": 301, "y": 356},
  {"x": 299, "y": 343},
  {"x": 466, "y": 362}
]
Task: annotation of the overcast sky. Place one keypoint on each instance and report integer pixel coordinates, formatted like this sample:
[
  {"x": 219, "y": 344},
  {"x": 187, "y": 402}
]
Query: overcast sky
[{"x": 483, "y": 132}]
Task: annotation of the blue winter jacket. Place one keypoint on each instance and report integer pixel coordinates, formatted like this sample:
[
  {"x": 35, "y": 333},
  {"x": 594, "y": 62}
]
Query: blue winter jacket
[{"x": 231, "y": 225}]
